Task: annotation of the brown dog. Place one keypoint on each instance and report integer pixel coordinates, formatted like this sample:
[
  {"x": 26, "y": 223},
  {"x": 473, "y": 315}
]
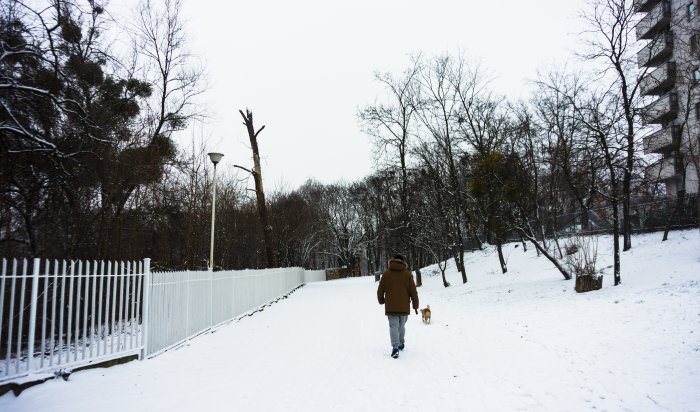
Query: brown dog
[{"x": 426, "y": 314}]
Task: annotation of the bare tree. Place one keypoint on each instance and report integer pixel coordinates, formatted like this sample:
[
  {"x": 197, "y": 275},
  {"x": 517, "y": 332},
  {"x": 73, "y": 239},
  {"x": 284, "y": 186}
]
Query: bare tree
[
  {"x": 174, "y": 79},
  {"x": 177, "y": 75},
  {"x": 259, "y": 190},
  {"x": 346, "y": 234},
  {"x": 602, "y": 115},
  {"x": 391, "y": 125},
  {"x": 433, "y": 209},
  {"x": 439, "y": 114},
  {"x": 612, "y": 24},
  {"x": 574, "y": 168},
  {"x": 484, "y": 125}
]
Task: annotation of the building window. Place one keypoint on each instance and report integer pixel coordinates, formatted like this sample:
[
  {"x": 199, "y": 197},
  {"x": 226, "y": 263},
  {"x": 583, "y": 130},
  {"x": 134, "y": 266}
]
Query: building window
[
  {"x": 692, "y": 10},
  {"x": 697, "y": 110},
  {"x": 694, "y": 43},
  {"x": 696, "y": 75}
]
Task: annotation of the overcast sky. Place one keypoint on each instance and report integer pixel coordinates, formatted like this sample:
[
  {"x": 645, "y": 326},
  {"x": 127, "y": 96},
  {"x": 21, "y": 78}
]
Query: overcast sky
[{"x": 304, "y": 68}]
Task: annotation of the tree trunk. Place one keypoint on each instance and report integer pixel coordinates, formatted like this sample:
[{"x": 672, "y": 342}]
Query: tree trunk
[
  {"x": 585, "y": 221},
  {"x": 542, "y": 233},
  {"x": 616, "y": 241},
  {"x": 676, "y": 208},
  {"x": 697, "y": 204},
  {"x": 499, "y": 248},
  {"x": 416, "y": 265},
  {"x": 627, "y": 223},
  {"x": 627, "y": 180},
  {"x": 556, "y": 243},
  {"x": 445, "y": 283},
  {"x": 588, "y": 283},
  {"x": 529, "y": 226},
  {"x": 459, "y": 258},
  {"x": 409, "y": 234},
  {"x": 474, "y": 236},
  {"x": 259, "y": 191}
]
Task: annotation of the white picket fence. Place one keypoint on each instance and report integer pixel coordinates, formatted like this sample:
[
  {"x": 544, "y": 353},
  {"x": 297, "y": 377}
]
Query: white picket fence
[
  {"x": 185, "y": 304},
  {"x": 61, "y": 315}
]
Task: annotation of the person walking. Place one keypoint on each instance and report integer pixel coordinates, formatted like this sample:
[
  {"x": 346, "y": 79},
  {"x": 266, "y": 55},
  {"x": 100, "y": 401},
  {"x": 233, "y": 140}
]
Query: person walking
[{"x": 396, "y": 291}]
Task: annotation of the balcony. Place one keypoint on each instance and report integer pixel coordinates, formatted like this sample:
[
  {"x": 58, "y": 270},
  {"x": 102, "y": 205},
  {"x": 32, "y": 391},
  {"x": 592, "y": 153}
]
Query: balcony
[
  {"x": 660, "y": 80},
  {"x": 664, "y": 169},
  {"x": 663, "y": 109},
  {"x": 656, "y": 20},
  {"x": 663, "y": 140},
  {"x": 656, "y": 51},
  {"x": 643, "y": 6}
]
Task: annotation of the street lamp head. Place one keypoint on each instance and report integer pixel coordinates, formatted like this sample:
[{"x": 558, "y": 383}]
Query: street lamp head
[{"x": 215, "y": 157}]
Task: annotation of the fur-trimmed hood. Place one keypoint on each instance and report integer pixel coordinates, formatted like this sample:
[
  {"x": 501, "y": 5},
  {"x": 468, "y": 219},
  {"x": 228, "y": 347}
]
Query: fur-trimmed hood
[{"x": 396, "y": 264}]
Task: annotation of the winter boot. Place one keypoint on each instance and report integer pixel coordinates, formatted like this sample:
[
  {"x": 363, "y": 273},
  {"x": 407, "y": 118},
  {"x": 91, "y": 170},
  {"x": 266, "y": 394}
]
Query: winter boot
[{"x": 395, "y": 353}]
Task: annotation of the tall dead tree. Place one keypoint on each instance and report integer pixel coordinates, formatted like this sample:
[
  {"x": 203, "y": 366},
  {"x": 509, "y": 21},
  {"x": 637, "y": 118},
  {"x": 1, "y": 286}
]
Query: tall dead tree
[{"x": 259, "y": 191}]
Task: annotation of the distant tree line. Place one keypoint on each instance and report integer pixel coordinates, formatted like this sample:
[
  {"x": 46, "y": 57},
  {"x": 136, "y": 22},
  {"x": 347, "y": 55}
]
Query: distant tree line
[{"x": 89, "y": 168}]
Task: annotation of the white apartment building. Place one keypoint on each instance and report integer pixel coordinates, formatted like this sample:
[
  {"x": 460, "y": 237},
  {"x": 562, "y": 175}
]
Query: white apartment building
[{"x": 671, "y": 59}]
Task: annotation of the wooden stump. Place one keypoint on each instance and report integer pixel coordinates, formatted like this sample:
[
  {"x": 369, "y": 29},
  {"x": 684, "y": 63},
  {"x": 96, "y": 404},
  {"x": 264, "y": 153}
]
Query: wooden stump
[{"x": 588, "y": 283}]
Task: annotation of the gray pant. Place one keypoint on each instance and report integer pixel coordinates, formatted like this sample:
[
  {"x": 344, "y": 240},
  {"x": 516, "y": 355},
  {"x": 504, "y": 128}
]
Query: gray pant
[{"x": 397, "y": 329}]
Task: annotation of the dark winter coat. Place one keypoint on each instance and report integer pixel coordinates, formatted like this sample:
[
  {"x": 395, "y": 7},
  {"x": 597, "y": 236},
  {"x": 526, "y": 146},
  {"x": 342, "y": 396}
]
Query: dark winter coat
[{"x": 397, "y": 288}]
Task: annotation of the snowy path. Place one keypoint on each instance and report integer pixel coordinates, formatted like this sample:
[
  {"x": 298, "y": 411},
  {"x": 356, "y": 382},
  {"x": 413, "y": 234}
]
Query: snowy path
[
  {"x": 521, "y": 341},
  {"x": 324, "y": 348}
]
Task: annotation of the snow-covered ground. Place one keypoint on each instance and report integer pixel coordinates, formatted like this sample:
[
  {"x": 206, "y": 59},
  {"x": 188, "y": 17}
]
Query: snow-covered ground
[{"x": 520, "y": 341}]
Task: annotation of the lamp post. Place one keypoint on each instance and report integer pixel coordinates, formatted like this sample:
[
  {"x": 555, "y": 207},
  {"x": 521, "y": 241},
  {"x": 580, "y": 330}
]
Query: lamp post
[{"x": 215, "y": 158}]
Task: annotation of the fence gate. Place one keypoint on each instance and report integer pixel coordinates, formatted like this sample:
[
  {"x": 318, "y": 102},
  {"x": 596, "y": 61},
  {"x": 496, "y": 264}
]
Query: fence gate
[{"x": 66, "y": 314}]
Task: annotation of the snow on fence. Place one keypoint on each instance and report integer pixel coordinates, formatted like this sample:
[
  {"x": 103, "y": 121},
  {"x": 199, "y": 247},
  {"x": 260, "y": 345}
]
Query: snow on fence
[{"x": 61, "y": 315}]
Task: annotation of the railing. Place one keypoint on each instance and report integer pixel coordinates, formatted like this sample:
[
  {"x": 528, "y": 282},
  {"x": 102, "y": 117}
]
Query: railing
[
  {"x": 661, "y": 110},
  {"x": 660, "y": 80},
  {"x": 664, "y": 169},
  {"x": 644, "y": 5},
  {"x": 185, "y": 304},
  {"x": 656, "y": 50},
  {"x": 63, "y": 315},
  {"x": 662, "y": 140},
  {"x": 644, "y": 217},
  {"x": 658, "y": 17}
]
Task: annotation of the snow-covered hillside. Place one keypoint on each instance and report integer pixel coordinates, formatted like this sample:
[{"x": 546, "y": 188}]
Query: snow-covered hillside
[{"x": 520, "y": 341}]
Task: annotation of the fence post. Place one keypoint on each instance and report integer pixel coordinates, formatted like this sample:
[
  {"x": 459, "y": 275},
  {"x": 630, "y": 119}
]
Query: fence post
[
  {"x": 32, "y": 315},
  {"x": 145, "y": 311}
]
